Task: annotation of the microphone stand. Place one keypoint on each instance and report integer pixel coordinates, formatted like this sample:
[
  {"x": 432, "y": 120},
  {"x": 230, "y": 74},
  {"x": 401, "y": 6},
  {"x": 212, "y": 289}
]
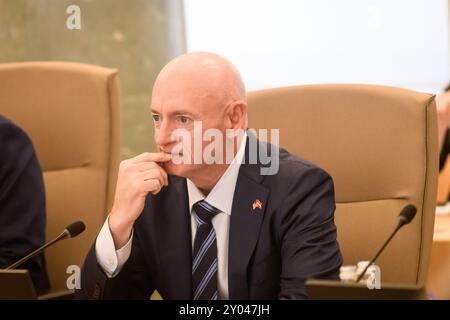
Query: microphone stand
[{"x": 63, "y": 235}]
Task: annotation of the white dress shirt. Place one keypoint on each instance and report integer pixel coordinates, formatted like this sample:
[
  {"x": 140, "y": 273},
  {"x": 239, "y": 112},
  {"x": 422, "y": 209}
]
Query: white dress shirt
[{"x": 221, "y": 197}]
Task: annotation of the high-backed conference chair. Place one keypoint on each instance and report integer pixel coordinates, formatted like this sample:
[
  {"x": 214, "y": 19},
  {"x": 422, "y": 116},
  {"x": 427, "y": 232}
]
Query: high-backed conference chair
[
  {"x": 71, "y": 113},
  {"x": 380, "y": 146}
]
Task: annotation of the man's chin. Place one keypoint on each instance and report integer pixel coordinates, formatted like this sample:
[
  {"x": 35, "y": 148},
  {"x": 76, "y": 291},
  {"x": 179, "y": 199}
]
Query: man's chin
[{"x": 181, "y": 170}]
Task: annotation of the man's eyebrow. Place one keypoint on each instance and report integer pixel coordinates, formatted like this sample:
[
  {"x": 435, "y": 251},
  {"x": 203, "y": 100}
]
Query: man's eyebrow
[
  {"x": 177, "y": 112},
  {"x": 183, "y": 112}
]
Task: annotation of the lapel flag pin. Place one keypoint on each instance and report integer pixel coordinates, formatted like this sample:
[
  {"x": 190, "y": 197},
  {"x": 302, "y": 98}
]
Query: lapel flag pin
[{"x": 257, "y": 204}]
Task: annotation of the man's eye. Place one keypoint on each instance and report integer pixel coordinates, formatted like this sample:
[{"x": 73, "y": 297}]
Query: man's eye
[
  {"x": 183, "y": 119},
  {"x": 156, "y": 117}
]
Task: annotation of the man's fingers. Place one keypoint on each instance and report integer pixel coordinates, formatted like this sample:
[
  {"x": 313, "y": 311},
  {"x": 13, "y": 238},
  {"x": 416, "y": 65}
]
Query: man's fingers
[
  {"x": 145, "y": 166},
  {"x": 155, "y": 169},
  {"x": 147, "y": 156},
  {"x": 152, "y": 186},
  {"x": 154, "y": 173}
]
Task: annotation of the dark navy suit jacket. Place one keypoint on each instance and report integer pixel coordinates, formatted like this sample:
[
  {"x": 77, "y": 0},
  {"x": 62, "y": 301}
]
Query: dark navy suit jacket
[
  {"x": 272, "y": 250},
  {"x": 22, "y": 203}
]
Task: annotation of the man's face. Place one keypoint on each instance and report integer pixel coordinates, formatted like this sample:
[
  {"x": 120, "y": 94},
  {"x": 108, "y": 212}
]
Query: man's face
[{"x": 176, "y": 104}]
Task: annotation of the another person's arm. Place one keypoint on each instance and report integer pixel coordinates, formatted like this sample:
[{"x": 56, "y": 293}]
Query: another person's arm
[
  {"x": 22, "y": 203},
  {"x": 443, "y": 112}
]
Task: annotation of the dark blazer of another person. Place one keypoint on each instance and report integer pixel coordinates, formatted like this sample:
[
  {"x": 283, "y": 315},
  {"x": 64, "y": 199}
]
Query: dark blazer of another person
[
  {"x": 22, "y": 203},
  {"x": 272, "y": 251}
]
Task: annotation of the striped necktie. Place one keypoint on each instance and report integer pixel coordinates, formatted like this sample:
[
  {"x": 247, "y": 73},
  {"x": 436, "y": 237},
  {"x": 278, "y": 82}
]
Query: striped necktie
[{"x": 204, "y": 263}]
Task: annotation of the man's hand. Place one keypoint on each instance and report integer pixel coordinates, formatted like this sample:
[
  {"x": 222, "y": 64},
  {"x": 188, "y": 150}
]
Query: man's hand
[{"x": 137, "y": 177}]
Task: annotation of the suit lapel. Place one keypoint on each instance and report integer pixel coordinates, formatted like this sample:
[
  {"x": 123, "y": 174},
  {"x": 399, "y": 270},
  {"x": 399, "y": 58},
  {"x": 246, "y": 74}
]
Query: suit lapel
[{"x": 245, "y": 224}]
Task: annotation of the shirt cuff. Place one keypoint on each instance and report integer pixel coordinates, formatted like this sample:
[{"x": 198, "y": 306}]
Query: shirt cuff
[{"x": 110, "y": 259}]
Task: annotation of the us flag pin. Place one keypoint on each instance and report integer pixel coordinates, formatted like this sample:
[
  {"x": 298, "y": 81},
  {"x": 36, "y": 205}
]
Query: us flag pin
[{"x": 257, "y": 204}]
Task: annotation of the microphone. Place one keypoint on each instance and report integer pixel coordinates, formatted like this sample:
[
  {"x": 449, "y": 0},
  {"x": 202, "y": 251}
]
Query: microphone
[
  {"x": 406, "y": 216},
  {"x": 71, "y": 231}
]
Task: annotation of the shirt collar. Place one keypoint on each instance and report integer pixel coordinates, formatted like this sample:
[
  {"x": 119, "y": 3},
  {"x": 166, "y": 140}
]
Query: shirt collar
[{"x": 221, "y": 196}]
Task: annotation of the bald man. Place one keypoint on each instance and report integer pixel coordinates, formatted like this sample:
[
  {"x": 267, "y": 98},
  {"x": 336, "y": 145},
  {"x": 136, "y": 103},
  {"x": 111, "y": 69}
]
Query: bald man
[{"x": 206, "y": 229}]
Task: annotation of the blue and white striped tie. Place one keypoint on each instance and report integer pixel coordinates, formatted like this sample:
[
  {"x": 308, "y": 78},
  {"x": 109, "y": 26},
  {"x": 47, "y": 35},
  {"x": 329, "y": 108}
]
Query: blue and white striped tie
[{"x": 204, "y": 262}]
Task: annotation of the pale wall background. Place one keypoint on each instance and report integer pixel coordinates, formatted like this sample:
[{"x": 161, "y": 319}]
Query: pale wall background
[
  {"x": 135, "y": 36},
  {"x": 403, "y": 43}
]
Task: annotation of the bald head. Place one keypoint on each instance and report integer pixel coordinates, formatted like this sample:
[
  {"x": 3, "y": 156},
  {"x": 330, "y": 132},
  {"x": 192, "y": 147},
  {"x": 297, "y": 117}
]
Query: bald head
[{"x": 202, "y": 75}]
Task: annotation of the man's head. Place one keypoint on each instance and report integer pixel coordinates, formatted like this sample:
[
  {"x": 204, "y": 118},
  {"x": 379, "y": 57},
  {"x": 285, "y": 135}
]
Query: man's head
[{"x": 197, "y": 86}]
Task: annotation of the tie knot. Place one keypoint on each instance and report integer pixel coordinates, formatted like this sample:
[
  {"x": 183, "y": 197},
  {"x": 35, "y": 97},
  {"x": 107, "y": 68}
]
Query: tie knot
[{"x": 205, "y": 212}]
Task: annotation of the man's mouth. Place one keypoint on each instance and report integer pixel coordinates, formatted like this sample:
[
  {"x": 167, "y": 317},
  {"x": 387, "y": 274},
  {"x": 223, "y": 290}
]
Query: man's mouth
[{"x": 173, "y": 154}]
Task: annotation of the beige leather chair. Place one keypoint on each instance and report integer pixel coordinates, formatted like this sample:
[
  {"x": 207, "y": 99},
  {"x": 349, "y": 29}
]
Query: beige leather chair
[
  {"x": 380, "y": 146},
  {"x": 71, "y": 113}
]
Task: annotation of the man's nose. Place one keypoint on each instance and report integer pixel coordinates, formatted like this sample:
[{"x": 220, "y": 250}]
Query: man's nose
[{"x": 163, "y": 134}]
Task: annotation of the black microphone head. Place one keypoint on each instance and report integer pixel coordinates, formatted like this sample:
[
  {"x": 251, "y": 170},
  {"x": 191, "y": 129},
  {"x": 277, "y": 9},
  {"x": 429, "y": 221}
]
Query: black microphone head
[
  {"x": 75, "y": 229},
  {"x": 407, "y": 214}
]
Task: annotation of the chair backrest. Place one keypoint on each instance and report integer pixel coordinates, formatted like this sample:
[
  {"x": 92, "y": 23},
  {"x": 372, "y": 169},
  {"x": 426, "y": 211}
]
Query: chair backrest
[
  {"x": 71, "y": 113},
  {"x": 380, "y": 146}
]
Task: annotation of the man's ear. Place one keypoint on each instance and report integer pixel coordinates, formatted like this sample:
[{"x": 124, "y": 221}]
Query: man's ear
[{"x": 237, "y": 115}]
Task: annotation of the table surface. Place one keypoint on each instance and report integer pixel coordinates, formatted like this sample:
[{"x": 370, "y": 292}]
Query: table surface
[{"x": 442, "y": 228}]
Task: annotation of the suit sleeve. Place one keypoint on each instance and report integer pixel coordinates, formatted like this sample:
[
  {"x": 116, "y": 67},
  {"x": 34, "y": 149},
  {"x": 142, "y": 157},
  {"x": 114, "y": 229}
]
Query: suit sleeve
[
  {"x": 22, "y": 203},
  {"x": 309, "y": 247},
  {"x": 132, "y": 282}
]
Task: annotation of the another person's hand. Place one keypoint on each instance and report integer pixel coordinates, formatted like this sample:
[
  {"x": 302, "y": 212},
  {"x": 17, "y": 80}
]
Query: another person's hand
[
  {"x": 443, "y": 110},
  {"x": 137, "y": 177}
]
